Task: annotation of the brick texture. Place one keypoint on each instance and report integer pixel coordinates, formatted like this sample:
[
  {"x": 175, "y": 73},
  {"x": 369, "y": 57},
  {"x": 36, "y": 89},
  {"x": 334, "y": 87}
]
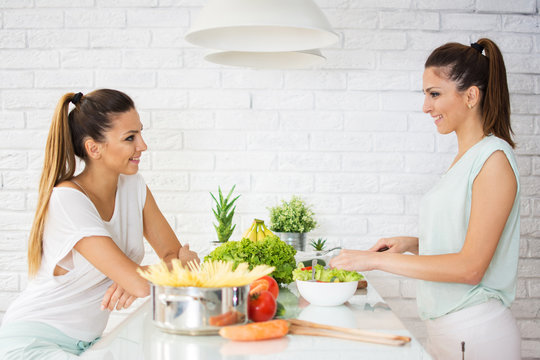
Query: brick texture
[{"x": 349, "y": 137}]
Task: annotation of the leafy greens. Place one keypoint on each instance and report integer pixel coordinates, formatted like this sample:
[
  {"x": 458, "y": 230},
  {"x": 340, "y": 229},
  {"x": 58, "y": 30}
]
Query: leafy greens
[
  {"x": 269, "y": 251},
  {"x": 326, "y": 275}
]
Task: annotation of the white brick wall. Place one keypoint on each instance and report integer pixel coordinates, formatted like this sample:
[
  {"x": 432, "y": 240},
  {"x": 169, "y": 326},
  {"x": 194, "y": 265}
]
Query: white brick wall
[{"x": 349, "y": 137}]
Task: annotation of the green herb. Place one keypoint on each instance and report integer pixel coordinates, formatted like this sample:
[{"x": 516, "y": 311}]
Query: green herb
[
  {"x": 270, "y": 251},
  {"x": 224, "y": 213},
  {"x": 292, "y": 216},
  {"x": 325, "y": 275},
  {"x": 318, "y": 245}
]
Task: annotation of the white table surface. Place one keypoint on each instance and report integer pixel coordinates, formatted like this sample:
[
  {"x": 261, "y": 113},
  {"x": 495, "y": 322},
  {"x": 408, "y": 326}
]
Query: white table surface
[{"x": 136, "y": 338}]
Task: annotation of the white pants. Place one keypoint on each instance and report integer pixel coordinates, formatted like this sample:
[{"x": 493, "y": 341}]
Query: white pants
[{"x": 489, "y": 331}]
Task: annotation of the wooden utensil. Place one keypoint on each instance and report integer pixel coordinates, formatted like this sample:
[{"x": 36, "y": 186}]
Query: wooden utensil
[{"x": 303, "y": 327}]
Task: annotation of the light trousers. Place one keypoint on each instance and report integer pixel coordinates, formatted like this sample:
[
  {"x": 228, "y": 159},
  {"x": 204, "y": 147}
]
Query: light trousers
[
  {"x": 489, "y": 332},
  {"x": 31, "y": 340}
]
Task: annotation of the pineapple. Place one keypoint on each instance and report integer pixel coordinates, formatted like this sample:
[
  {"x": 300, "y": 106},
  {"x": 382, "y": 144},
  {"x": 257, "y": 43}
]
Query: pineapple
[{"x": 224, "y": 213}]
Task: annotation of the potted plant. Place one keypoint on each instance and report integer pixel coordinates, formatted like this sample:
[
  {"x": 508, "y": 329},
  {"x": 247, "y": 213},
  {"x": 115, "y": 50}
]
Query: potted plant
[
  {"x": 292, "y": 220},
  {"x": 318, "y": 245},
  {"x": 224, "y": 213}
]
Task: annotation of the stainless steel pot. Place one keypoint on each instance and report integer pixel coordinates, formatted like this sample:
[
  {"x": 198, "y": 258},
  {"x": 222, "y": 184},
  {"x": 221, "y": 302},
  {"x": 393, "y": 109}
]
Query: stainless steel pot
[{"x": 198, "y": 311}]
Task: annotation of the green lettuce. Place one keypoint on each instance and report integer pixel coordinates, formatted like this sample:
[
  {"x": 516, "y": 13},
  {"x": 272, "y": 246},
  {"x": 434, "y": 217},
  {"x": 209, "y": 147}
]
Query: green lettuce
[
  {"x": 327, "y": 275},
  {"x": 270, "y": 251}
]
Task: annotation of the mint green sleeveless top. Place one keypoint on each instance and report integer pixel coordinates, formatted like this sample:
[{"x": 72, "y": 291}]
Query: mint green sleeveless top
[{"x": 444, "y": 218}]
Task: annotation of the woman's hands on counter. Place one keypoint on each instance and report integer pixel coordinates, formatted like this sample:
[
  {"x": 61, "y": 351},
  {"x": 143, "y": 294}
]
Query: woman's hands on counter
[
  {"x": 360, "y": 260},
  {"x": 185, "y": 255},
  {"x": 116, "y": 297},
  {"x": 397, "y": 244}
]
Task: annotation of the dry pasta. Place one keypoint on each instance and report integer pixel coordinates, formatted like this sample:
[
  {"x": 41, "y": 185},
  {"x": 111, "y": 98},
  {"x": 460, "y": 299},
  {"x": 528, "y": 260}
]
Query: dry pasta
[{"x": 208, "y": 274}]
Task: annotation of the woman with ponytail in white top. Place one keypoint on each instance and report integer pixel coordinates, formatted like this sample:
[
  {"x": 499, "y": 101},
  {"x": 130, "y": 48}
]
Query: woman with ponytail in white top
[{"x": 86, "y": 241}]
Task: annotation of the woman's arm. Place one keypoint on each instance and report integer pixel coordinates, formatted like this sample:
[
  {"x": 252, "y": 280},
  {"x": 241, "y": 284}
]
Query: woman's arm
[
  {"x": 161, "y": 236},
  {"x": 107, "y": 257},
  {"x": 493, "y": 195}
]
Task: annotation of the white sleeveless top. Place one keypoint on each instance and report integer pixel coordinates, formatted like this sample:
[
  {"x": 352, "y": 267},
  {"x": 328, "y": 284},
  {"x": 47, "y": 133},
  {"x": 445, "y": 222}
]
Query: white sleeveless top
[
  {"x": 71, "y": 302},
  {"x": 443, "y": 223}
]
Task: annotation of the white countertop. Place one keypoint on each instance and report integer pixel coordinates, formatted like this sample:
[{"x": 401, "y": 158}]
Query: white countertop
[{"x": 136, "y": 338}]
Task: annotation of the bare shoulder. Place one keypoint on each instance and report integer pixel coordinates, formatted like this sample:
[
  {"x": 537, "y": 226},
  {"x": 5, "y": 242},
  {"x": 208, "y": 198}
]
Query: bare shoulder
[
  {"x": 497, "y": 173},
  {"x": 498, "y": 164}
]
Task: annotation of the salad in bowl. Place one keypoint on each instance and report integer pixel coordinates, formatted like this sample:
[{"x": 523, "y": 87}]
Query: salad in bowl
[{"x": 332, "y": 287}]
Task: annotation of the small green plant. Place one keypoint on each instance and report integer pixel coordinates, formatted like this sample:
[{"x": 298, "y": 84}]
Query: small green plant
[
  {"x": 318, "y": 245},
  {"x": 292, "y": 216},
  {"x": 224, "y": 213}
]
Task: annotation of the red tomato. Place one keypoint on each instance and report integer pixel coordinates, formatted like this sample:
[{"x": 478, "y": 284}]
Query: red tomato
[
  {"x": 262, "y": 306},
  {"x": 273, "y": 286}
]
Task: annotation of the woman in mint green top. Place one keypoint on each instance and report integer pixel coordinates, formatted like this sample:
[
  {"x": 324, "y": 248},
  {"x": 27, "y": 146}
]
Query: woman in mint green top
[
  {"x": 468, "y": 244},
  {"x": 444, "y": 220}
]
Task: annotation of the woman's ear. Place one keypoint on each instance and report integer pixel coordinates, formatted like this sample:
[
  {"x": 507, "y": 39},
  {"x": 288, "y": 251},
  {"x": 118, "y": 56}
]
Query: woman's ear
[
  {"x": 473, "y": 96},
  {"x": 93, "y": 149}
]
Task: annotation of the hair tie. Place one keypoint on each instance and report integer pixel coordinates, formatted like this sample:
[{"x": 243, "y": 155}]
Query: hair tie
[
  {"x": 477, "y": 47},
  {"x": 76, "y": 98}
]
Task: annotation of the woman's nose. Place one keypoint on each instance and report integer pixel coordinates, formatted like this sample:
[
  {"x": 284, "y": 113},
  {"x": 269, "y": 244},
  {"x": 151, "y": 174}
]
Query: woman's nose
[
  {"x": 427, "y": 105},
  {"x": 142, "y": 145}
]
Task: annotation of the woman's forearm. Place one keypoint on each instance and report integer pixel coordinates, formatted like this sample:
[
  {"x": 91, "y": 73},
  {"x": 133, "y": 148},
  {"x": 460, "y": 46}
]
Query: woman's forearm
[{"x": 443, "y": 268}]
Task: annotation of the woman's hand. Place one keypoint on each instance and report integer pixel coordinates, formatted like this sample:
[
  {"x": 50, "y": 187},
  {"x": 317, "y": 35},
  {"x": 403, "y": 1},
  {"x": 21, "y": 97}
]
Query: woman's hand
[
  {"x": 354, "y": 260},
  {"x": 397, "y": 244},
  {"x": 116, "y": 297},
  {"x": 185, "y": 255}
]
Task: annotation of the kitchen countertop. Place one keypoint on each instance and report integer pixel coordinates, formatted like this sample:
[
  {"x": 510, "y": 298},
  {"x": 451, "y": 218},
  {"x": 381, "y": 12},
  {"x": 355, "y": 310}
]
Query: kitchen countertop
[{"x": 136, "y": 338}]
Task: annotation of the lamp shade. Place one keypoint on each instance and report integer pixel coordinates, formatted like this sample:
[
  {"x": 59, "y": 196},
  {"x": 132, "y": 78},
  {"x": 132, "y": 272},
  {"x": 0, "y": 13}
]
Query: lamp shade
[
  {"x": 268, "y": 60},
  {"x": 261, "y": 26}
]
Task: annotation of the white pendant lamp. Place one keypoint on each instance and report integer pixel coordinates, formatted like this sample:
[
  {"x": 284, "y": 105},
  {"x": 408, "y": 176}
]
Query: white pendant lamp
[
  {"x": 268, "y": 60},
  {"x": 271, "y": 27}
]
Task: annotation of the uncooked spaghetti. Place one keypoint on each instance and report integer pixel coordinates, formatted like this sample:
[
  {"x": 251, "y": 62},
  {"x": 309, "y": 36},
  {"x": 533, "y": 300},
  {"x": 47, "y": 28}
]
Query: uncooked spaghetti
[{"x": 209, "y": 274}]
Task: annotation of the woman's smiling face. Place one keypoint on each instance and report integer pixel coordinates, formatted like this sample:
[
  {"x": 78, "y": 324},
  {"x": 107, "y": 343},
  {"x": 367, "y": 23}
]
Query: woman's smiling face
[
  {"x": 124, "y": 143},
  {"x": 442, "y": 101}
]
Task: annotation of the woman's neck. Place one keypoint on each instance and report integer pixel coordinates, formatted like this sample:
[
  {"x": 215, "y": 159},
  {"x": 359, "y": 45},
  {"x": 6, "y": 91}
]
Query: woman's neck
[
  {"x": 470, "y": 133},
  {"x": 101, "y": 185}
]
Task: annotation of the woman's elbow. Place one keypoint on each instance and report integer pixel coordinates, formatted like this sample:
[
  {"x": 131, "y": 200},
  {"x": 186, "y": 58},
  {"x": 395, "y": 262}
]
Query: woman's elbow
[{"x": 473, "y": 276}]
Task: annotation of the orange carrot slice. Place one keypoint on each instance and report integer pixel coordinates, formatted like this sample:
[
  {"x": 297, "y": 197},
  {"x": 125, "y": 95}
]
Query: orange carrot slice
[
  {"x": 229, "y": 318},
  {"x": 256, "y": 331},
  {"x": 258, "y": 286}
]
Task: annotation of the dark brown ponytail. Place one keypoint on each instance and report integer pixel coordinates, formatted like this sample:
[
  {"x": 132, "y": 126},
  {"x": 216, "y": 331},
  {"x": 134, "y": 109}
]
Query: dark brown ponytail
[
  {"x": 496, "y": 109},
  {"x": 467, "y": 66}
]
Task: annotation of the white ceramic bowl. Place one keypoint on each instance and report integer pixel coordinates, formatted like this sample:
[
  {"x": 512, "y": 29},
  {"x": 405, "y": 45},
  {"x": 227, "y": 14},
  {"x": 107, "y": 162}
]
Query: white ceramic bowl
[{"x": 326, "y": 293}]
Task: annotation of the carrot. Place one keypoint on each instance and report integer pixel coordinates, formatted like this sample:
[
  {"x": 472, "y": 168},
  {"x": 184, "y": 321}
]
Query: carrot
[
  {"x": 256, "y": 331},
  {"x": 229, "y": 318},
  {"x": 258, "y": 286}
]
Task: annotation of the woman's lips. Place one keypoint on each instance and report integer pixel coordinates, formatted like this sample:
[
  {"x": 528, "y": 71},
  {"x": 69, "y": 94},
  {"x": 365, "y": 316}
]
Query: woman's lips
[
  {"x": 437, "y": 119},
  {"x": 135, "y": 160}
]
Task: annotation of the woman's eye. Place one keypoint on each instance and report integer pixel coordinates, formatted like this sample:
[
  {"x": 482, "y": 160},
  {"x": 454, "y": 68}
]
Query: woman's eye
[
  {"x": 130, "y": 138},
  {"x": 434, "y": 94}
]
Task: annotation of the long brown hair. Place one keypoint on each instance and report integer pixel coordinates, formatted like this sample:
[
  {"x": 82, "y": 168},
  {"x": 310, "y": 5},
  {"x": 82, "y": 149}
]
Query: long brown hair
[
  {"x": 90, "y": 118},
  {"x": 467, "y": 66}
]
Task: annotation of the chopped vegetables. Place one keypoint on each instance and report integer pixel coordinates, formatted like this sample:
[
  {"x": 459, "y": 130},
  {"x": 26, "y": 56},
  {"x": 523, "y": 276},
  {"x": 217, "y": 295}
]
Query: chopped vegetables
[{"x": 325, "y": 275}]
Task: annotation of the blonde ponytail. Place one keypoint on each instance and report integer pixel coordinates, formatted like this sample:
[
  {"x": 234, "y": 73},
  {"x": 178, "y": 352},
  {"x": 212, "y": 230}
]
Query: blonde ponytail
[{"x": 59, "y": 165}]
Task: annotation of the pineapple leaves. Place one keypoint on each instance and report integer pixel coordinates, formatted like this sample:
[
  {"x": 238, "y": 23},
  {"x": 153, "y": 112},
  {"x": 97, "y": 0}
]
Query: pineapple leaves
[{"x": 224, "y": 213}]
